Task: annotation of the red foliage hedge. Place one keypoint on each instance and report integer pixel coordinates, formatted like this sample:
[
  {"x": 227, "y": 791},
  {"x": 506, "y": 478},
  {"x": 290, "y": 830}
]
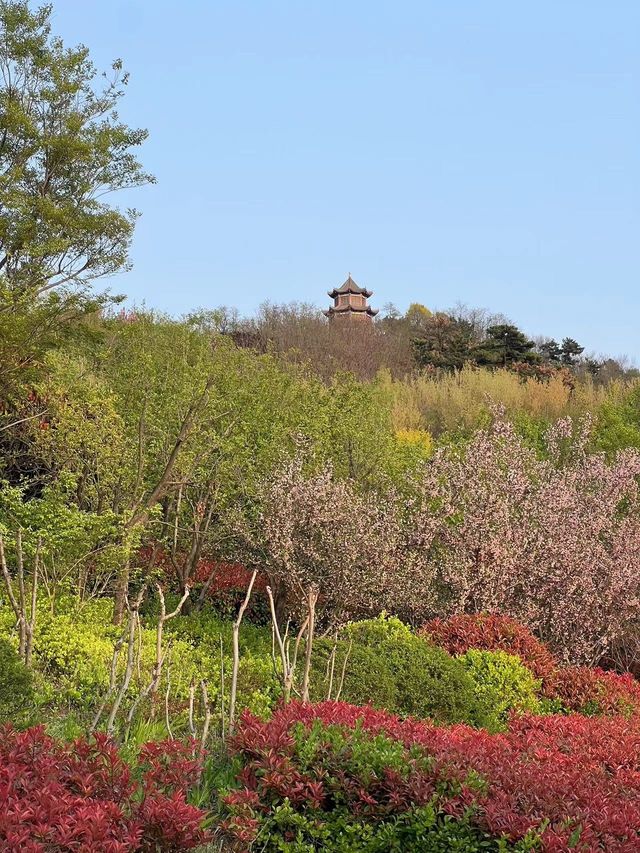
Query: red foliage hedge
[
  {"x": 83, "y": 797},
  {"x": 590, "y": 690},
  {"x": 491, "y": 632},
  {"x": 574, "y": 779}
]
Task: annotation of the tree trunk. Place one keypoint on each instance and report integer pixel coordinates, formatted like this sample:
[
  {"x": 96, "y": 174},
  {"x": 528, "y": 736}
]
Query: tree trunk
[{"x": 120, "y": 594}]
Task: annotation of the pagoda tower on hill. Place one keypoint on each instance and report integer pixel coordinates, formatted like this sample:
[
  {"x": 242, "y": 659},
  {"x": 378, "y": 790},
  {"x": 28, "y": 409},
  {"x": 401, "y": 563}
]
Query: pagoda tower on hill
[{"x": 350, "y": 303}]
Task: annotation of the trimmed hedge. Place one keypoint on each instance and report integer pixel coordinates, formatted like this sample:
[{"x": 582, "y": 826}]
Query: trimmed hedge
[
  {"x": 502, "y": 684},
  {"x": 389, "y": 667},
  {"x": 491, "y": 632}
]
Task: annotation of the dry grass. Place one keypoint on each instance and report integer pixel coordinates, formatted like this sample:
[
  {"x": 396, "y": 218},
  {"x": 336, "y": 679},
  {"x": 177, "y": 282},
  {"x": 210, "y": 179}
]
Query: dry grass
[{"x": 460, "y": 401}]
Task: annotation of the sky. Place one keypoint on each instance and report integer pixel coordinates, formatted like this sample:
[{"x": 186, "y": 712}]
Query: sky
[{"x": 482, "y": 152}]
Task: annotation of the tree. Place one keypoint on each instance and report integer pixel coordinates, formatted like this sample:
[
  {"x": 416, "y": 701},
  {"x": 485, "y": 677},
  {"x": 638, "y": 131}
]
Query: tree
[
  {"x": 417, "y": 316},
  {"x": 504, "y": 345},
  {"x": 443, "y": 341},
  {"x": 570, "y": 351},
  {"x": 551, "y": 351},
  {"x": 63, "y": 149},
  {"x": 553, "y": 542}
]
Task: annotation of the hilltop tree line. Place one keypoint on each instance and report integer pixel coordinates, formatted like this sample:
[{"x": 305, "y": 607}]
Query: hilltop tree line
[{"x": 409, "y": 343}]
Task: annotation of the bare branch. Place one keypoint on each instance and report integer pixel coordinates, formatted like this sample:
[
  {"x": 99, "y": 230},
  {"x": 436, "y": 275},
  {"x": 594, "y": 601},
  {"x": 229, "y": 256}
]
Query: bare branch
[{"x": 236, "y": 653}]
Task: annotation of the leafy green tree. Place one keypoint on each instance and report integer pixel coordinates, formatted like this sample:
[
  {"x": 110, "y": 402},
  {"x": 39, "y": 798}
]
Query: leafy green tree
[{"x": 63, "y": 149}]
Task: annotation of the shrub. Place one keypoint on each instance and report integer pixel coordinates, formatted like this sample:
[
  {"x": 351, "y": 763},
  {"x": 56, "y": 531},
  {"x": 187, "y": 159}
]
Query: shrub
[
  {"x": 502, "y": 684},
  {"x": 368, "y": 678},
  {"x": 82, "y": 796},
  {"x": 332, "y": 788},
  {"x": 381, "y": 631},
  {"x": 227, "y": 587},
  {"x": 337, "y": 831},
  {"x": 16, "y": 688},
  {"x": 258, "y": 686},
  {"x": 548, "y": 783},
  {"x": 392, "y": 668},
  {"x": 492, "y": 632},
  {"x": 590, "y": 690},
  {"x": 430, "y": 683},
  {"x": 73, "y": 650}
]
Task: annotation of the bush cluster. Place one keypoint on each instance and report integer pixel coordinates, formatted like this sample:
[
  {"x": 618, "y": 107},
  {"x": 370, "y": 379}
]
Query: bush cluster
[
  {"x": 482, "y": 641},
  {"x": 593, "y": 691},
  {"x": 385, "y": 664},
  {"x": 350, "y": 776},
  {"x": 73, "y": 650},
  {"x": 492, "y": 632},
  {"x": 82, "y": 796}
]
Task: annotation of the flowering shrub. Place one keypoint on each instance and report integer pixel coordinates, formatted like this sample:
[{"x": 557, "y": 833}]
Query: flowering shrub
[
  {"x": 82, "y": 796},
  {"x": 590, "y": 690},
  {"x": 551, "y": 539},
  {"x": 571, "y": 782},
  {"x": 492, "y": 632}
]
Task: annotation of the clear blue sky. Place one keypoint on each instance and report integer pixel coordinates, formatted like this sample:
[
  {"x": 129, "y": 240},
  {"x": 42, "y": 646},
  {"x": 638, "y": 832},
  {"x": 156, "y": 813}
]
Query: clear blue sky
[{"x": 460, "y": 150}]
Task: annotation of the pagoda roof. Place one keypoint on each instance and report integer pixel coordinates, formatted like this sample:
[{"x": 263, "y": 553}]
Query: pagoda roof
[
  {"x": 350, "y": 286},
  {"x": 346, "y": 309}
]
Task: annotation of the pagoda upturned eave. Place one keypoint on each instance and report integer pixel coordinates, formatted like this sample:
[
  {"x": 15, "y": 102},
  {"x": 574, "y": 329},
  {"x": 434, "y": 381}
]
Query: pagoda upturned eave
[{"x": 351, "y": 309}]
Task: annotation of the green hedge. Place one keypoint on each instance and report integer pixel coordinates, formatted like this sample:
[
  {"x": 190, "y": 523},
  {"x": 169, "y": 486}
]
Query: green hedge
[
  {"x": 502, "y": 684},
  {"x": 16, "y": 687},
  {"x": 389, "y": 667}
]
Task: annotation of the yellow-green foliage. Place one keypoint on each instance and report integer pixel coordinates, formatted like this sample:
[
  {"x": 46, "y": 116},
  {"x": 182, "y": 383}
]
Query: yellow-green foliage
[
  {"x": 454, "y": 402},
  {"x": 502, "y": 684},
  {"x": 73, "y": 651},
  {"x": 416, "y": 442},
  {"x": 618, "y": 421},
  {"x": 16, "y": 689}
]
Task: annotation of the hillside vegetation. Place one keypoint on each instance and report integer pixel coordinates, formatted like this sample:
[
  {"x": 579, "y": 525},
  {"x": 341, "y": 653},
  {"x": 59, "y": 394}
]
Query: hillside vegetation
[{"x": 273, "y": 584}]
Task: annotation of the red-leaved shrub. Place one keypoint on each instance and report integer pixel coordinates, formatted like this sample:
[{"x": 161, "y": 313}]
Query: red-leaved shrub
[
  {"x": 83, "y": 797},
  {"x": 226, "y": 576},
  {"x": 573, "y": 779},
  {"x": 491, "y": 632},
  {"x": 227, "y": 585},
  {"x": 590, "y": 690}
]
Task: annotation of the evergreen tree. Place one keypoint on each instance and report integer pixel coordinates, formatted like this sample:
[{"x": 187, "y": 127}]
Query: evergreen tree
[
  {"x": 504, "y": 344},
  {"x": 570, "y": 351},
  {"x": 444, "y": 342},
  {"x": 551, "y": 351}
]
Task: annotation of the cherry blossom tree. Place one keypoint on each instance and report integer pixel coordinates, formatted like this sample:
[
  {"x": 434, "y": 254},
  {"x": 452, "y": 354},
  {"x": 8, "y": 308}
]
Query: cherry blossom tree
[
  {"x": 315, "y": 531},
  {"x": 552, "y": 541}
]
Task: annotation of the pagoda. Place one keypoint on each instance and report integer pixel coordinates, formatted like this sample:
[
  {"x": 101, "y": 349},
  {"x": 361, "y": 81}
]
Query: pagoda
[{"x": 350, "y": 303}]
